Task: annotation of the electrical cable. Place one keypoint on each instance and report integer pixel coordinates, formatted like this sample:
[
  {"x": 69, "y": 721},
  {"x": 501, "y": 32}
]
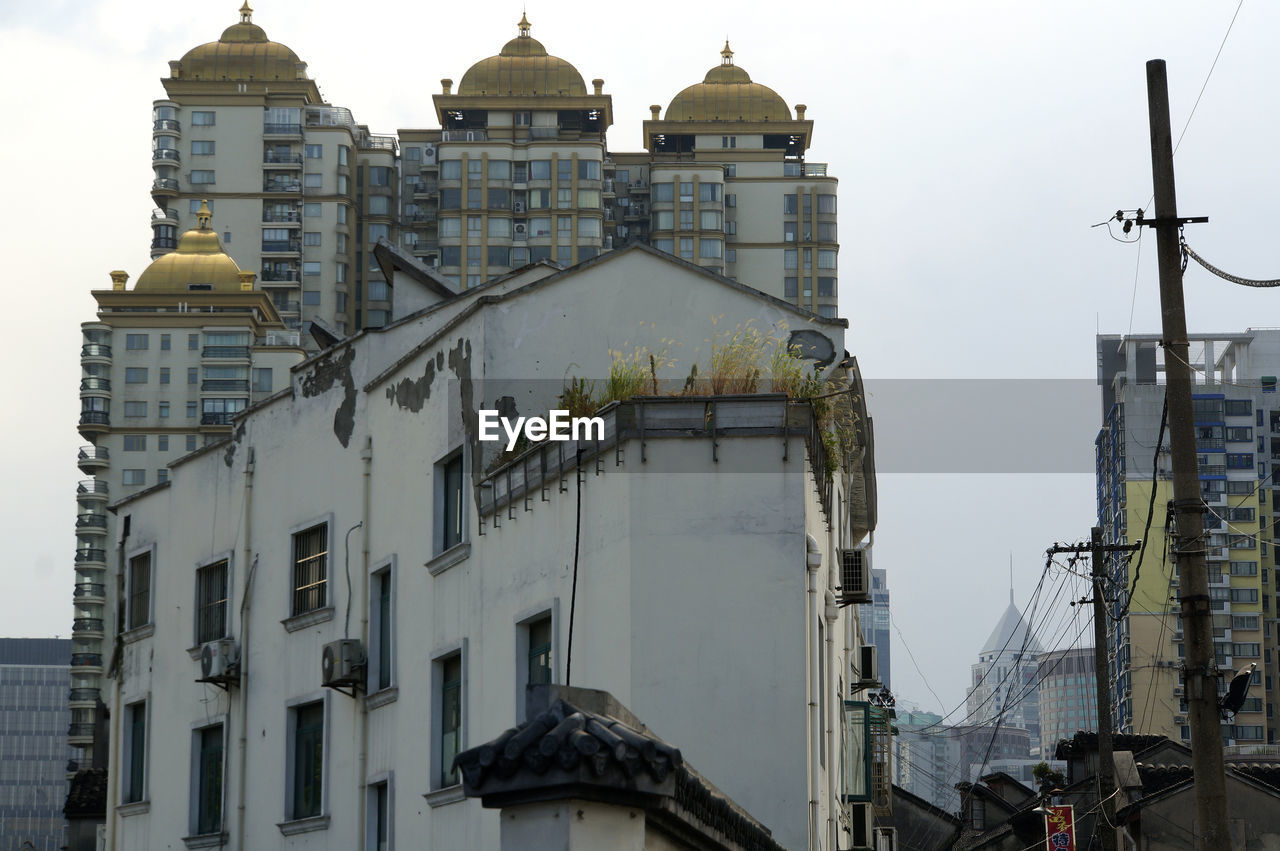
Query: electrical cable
[
  {"x": 573, "y": 595},
  {"x": 1151, "y": 507}
]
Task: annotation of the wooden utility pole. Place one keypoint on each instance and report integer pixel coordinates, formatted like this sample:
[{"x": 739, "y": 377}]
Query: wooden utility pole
[
  {"x": 1189, "y": 543},
  {"x": 1102, "y": 675}
]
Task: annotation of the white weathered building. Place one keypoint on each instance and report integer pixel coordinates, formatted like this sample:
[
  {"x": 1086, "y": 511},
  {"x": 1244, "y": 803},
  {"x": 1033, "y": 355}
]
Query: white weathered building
[{"x": 688, "y": 563}]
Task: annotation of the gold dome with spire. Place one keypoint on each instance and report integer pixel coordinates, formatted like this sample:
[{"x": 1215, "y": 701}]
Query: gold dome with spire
[
  {"x": 727, "y": 94},
  {"x": 198, "y": 261},
  {"x": 523, "y": 68},
  {"x": 242, "y": 53}
]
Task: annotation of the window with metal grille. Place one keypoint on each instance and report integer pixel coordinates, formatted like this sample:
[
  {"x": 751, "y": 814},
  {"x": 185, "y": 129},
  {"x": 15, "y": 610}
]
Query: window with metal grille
[
  {"x": 139, "y": 590},
  {"x": 211, "y": 602},
  {"x": 310, "y": 568}
]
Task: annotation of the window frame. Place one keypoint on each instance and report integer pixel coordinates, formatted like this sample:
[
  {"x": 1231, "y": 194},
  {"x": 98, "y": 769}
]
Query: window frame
[
  {"x": 549, "y": 609},
  {"x": 325, "y": 520},
  {"x": 292, "y": 707},
  {"x": 383, "y": 574},
  {"x": 226, "y": 557},
  {"x": 196, "y": 775},
  {"x": 387, "y": 780},
  {"x": 439, "y": 658},
  {"x": 441, "y": 540},
  {"x": 139, "y": 762},
  {"x": 149, "y": 551}
]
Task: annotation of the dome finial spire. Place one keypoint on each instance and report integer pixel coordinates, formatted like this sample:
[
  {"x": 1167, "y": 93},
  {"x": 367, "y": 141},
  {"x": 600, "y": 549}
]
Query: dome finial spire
[
  {"x": 726, "y": 55},
  {"x": 203, "y": 216},
  {"x": 246, "y": 13},
  {"x": 524, "y": 24}
]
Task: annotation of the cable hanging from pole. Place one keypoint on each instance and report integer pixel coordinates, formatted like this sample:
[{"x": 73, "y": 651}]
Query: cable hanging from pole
[{"x": 1187, "y": 251}]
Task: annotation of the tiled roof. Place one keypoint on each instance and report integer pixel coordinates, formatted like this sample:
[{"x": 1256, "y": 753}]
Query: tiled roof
[
  {"x": 565, "y": 737},
  {"x": 87, "y": 797}
]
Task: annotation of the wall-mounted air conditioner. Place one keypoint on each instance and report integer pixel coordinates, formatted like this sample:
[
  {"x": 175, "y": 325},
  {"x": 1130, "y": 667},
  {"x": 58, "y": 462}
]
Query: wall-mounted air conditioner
[
  {"x": 521, "y": 231},
  {"x": 517, "y": 206},
  {"x": 219, "y": 660},
  {"x": 342, "y": 663}
]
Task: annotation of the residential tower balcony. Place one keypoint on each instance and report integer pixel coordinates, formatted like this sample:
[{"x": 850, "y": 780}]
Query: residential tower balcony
[
  {"x": 90, "y": 592},
  {"x": 92, "y": 490},
  {"x": 283, "y": 160},
  {"x": 94, "y": 421},
  {"x": 226, "y": 352},
  {"x": 95, "y": 352},
  {"x": 83, "y": 697},
  {"x": 93, "y": 385},
  {"x": 92, "y": 458},
  {"x": 283, "y": 130},
  {"x": 86, "y": 663},
  {"x": 167, "y": 155}
]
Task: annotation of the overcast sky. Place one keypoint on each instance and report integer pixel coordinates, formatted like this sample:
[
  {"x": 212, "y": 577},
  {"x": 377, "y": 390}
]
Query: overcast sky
[{"x": 975, "y": 145}]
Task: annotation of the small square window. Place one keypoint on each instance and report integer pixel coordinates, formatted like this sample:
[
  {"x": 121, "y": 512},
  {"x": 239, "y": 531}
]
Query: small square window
[
  {"x": 134, "y": 477},
  {"x": 135, "y": 375},
  {"x": 135, "y": 409},
  {"x": 262, "y": 379},
  {"x": 135, "y": 443},
  {"x": 136, "y": 342},
  {"x": 164, "y": 375},
  {"x": 162, "y": 442},
  {"x": 314, "y": 152},
  {"x": 165, "y": 342},
  {"x": 191, "y": 410},
  {"x": 193, "y": 342},
  {"x": 191, "y": 443}
]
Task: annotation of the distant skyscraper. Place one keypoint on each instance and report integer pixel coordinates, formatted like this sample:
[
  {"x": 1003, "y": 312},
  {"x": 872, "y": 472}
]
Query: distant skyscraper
[
  {"x": 874, "y": 617},
  {"x": 1068, "y": 695},
  {"x": 1004, "y": 678},
  {"x": 34, "y": 677},
  {"x": 1237, "y": 421}
]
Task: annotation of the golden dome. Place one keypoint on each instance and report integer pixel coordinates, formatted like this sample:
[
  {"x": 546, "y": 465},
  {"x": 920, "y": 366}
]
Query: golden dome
[
  {"x": 242, "y": 53},
  {"x": 198, "y": 261},
  {"x": 522, "y": 68},
  {"x": 727, "y": 94}
]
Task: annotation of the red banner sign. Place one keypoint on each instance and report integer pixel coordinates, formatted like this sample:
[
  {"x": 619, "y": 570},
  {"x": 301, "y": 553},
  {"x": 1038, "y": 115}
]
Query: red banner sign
[{"x": 1060, "y": 827}]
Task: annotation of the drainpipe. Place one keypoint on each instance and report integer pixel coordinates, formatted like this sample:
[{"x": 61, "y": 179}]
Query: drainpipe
[
  {"x": 813, "y": 562},
  {"x": 252, "y": 562},
  {"x": 362, "y": 761},
  {"x": 832, "y": 614},
  {"x": 114, "y": 729}
]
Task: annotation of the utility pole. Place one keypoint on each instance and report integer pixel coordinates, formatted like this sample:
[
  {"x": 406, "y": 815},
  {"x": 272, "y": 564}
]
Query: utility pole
[
  {"x": 1102, "y": 674},
  {"x": 1189, "y": 543}
]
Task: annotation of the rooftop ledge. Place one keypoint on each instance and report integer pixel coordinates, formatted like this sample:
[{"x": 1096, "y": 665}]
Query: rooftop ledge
[{"x": 532, "y": 475}]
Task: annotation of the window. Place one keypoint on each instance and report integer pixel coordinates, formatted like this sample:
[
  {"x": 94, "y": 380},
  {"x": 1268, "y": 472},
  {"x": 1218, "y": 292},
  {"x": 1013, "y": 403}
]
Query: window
[
  {"x": 311, "y": 267},
  {"x": 135, "y": 752},
  {"x": 448, "y": 673},
  {"x": 826, "y": 204},
  {"x": 499, "y": 255},
  {"x": 191, "y": 443},
  {"x": 203, "y": 119},
  {"x": 789, "y": 205},
  {"x": 827, "y": 287},
  {"x": 731, "y": 255},
  {"x": 379, "y": 175},
  {"x": 686, "y": 219},
  {"x": 686, "y": 248},
  {"x": 540, "y": 169},
  {"x": 1244, "y": 568},
  {"x": 449, "y": 502},
  {"x": 1239, "y": 407},
  {"x": 211, "y": 602},
  {"x": 135, "y": 443},
  {"x": 588, "y": 170},
  {"x": 728, "y": 141},
  {"x": 826, "y": 259},
  {"x": 539, "y": 199},
  {"x": 378, "y": 817},
  {"x": 668, "y": 245},
  {"x": 473, "y": 255},
  {"x": 164, "y": 375},
  {"x": 709, "y": 191},
  {"x": 790, "y": 287},
  {"x": 534, "y": 649},
  {"x": 311, "y": 297},
  {"x": 314, "y": 152},
  {"x": 382, "y": 629},
  {"x": 261, "y": 379},
  {"x": 564, "y": 254},
  {"x": 344, "y": 188},
  {"x": 139, "y": 591},
  {"x": 1244, "y": 595},
  {"x": 135, "y": 409},
  {"x": 307, "y": 776},
  {"x": 208, "y": 746},
  {"x": 474, "y": 201},
  {"x": 790, "y": 258},
  {"x": 710, "y": 220},
  {"x": 589, "y": 228},
  {"x": 203, "y": 177},
  {"x": 499, "y": 227},
  {"x": 379, "y": 205},
  {"x": 499, "y": 169},
  {"x": 311, "y": 238},
  {"x": 310, "y": 569},
  {"x": 134, "y": 477},
  {"x": 664, "y": 220},
  {"x": 710, "y": 249},
  {"x": 564, "y": 198},
  {"x": 136, "y": 341},
  {"x": 378, "y": 291},
  {"x": 664, "y": 191},
  {"x": 162, "y": 442}
]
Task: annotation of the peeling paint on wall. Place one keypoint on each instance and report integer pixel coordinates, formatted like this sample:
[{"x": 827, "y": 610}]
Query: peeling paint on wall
[
  {"x": 229, "y": 454},
  {"x": 333, "y": 369},
  {"x": 412, "y": 393}
]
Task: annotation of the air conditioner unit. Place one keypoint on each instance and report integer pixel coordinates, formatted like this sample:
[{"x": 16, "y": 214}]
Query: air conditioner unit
[
  {"x": 219, "y": 660},
  {"x": 1179, "y": 719},
  {"x": 517, "y": 206},
  {"x": 1177, "y": 691},
  {"x": 855, "y": 576},
  {"x": 342, "y": 663},
  {"x": 521, "y": 231},
  {"x": 869, "y": 664}
]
